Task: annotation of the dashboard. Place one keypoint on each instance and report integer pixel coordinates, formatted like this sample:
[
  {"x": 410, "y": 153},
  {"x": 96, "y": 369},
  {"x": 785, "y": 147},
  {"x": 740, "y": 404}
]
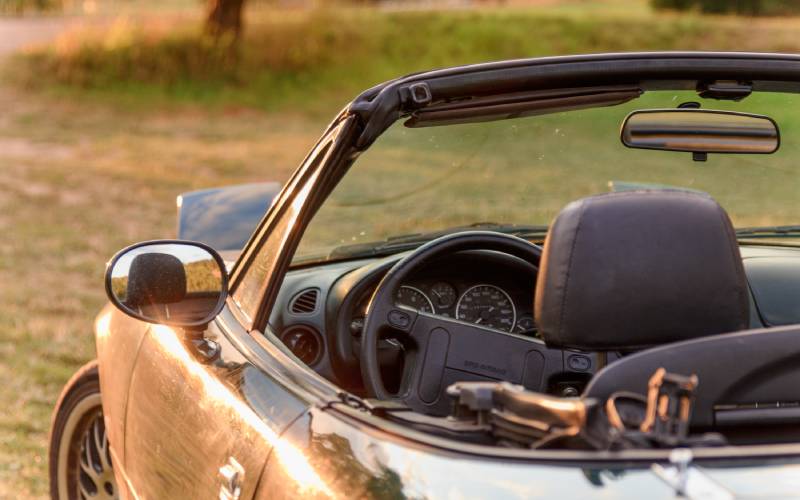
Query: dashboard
[{"x": 320, "y": 310}]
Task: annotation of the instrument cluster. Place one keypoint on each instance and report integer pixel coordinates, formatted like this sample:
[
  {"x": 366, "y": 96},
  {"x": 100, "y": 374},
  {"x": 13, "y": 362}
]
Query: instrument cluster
[
  {"x": 485, "y": 304},
  {"x": 485, "y": 288}
]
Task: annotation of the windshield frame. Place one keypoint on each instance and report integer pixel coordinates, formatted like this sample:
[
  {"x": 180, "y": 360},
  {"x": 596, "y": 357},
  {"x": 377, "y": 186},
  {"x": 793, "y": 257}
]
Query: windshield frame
[{"x": 382, "y": 105}]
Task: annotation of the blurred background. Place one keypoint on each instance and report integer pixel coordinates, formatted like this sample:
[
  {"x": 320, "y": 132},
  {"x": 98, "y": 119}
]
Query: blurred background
[{"x": 109, "y": 109}]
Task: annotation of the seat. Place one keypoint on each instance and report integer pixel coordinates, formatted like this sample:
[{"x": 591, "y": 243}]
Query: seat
[
  {"x": 633, "y": 270},
  {"x": 658, "y": 276}
]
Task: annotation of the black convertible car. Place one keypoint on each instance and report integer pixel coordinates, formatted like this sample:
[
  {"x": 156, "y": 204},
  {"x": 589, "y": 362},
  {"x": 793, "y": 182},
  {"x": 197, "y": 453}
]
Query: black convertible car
[{"x": 573, "y": 277}]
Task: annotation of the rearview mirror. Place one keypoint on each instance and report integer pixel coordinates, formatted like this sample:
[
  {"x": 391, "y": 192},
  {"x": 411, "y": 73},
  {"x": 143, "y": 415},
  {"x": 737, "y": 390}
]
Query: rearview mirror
[
  {"x": 175, "y": 283},
  {"x": 700, "y": 131}
]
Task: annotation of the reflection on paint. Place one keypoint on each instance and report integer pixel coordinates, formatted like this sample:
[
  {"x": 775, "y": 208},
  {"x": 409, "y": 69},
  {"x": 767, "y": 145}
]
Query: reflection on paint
[
  {"x": 293, "y": 460},
  {"x": 224, "y": 218},
  {"x": 102, "y": 325}
]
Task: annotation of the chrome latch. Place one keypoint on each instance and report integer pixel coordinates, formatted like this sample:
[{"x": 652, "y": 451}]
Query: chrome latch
[
  {"x": 232, "y": 476},
  {"x": 689, "y": 481}
]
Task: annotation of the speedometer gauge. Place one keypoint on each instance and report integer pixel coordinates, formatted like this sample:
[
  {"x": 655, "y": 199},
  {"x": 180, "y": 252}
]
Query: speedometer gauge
[
  {"x": 487, "y": 305},
  {"x": 414, "y": 297}
]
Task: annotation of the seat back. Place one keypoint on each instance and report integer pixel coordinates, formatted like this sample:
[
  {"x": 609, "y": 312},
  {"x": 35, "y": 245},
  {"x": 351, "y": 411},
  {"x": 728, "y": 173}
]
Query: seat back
[{"x": 638, "y": 269}]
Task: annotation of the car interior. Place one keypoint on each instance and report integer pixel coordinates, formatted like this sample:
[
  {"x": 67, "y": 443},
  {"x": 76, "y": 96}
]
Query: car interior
[{"x": 578, "y": 319}]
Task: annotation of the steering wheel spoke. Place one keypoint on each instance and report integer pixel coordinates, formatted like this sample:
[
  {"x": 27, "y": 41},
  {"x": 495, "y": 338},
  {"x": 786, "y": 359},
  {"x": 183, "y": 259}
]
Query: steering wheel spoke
[{"x": 425, "y": 325}]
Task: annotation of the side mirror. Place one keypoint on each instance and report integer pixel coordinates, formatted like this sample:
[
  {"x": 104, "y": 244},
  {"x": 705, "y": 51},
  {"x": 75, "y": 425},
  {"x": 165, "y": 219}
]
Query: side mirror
[{"x": 176, "y": 283}]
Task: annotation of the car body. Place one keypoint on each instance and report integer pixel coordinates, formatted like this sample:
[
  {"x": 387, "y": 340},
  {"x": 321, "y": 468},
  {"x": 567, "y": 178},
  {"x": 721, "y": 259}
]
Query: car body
[{"x": 243, "y": 407}]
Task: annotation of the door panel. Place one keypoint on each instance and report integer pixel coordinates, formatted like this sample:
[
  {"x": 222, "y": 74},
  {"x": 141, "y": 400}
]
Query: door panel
[
  {"x": 188, "y": 419},
  {"x": 118, "y": 338},
  {"x": 333, "y": 456}
]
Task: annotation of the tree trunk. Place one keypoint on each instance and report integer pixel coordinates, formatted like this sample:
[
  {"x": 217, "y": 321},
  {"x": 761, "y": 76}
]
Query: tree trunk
[{"x": 224, "y": 18}]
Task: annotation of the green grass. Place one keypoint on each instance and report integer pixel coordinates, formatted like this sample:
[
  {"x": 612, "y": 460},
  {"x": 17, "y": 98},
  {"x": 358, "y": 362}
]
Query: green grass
[{"x": 319, "y": 59}]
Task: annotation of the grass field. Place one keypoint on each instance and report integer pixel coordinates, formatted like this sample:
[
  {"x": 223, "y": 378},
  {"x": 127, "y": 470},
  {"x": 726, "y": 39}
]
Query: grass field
[{"x": 102, "y": 129}]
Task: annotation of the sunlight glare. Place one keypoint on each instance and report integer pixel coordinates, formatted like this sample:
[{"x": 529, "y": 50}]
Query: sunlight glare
[
  {"x": 102, "y": 326},
  {"x": 292, "y": 459}
]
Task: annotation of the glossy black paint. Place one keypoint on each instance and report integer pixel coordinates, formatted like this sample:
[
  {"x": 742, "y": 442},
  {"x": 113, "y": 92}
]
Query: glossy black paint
[
  {"x": 356, "y": 461},
  {"x": 224, "y": 218}
]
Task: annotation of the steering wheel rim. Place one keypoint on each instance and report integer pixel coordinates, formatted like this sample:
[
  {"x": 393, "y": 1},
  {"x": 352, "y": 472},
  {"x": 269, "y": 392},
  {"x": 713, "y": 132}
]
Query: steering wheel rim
[{"x": 383, "y": 315}]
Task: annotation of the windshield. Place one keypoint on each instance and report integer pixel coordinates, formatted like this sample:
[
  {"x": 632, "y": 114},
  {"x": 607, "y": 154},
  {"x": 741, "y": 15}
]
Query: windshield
[{"x": 515, "y": 175}]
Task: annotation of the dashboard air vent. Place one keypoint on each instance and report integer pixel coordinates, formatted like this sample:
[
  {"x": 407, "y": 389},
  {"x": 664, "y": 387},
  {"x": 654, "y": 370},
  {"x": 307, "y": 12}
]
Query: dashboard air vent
[
  {"x": 304, "y": 302},
  {"x": 304, "y": 342}
]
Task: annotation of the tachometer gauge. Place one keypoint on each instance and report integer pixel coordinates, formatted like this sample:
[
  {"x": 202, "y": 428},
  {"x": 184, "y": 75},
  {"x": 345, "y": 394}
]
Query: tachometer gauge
[
  {"x": 443, "y": 294},
  {"x": 487, "y": 305},
  {"x": 413, "y": 297}
]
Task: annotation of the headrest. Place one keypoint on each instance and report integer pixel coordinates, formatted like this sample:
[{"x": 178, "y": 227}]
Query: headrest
[
  {"x": 155, "y": 278},
  {"x": 625, "y": 271}
]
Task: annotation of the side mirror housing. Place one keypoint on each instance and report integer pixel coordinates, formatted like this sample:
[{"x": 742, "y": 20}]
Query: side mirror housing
[{"x": 169, "y": 282}]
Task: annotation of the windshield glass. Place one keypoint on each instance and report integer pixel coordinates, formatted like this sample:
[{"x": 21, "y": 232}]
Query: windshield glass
[{"x": 514, "y": 175}]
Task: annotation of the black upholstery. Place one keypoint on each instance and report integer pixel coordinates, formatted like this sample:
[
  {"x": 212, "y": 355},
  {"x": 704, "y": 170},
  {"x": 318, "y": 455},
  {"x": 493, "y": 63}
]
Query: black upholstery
[
  {"x": 155, "y": 278},
  {"x": 745, "y": 378},
  {"x": 626, "y": 271}
]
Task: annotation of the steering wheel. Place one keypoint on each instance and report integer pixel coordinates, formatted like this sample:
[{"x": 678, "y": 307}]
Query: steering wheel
[{"x": 439, "y": 350}]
